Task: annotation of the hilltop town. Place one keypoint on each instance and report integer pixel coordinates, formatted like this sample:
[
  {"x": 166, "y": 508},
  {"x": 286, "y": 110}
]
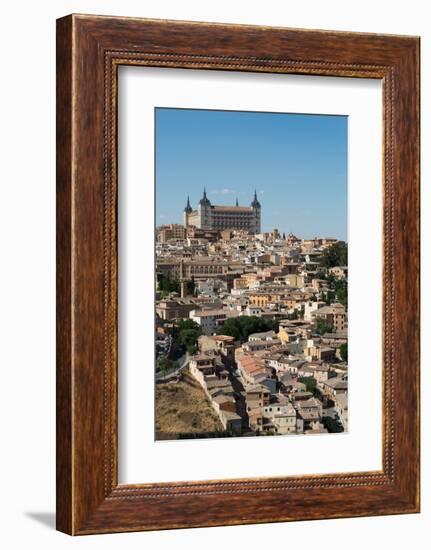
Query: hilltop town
[{"x": 250, "y": 326}]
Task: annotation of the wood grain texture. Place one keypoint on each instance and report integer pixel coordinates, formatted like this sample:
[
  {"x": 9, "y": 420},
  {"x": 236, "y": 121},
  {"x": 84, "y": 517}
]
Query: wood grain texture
[
  {"x": 64, "y": 496},
  {"x": 90, "y": 49}
]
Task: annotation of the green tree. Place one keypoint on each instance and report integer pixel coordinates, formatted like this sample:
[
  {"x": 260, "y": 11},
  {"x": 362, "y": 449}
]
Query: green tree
[
  {"x": 321, "y": 326},
  {"x": 334, "y": 255},
  {"x": 183, "y": 324},
  {"x": 329, "y": 297},
  {"x": 231, "y": 327},
  {"x": 188, "y": 334},
  {"x": 341, "y": 291},
  {"x": 333, "y": 426},
  {"x": 165, "y": 365},
  {"x": 241, "y": 327},
  {"x": 189, "y": 338},
  {"x": 331, "y": 281},
  {"x": 311, "y": 386},
  {"x": 167, "y": 285},
  {"x": 310, "y": 383},
  {"x": 344, "y": 351},
  {"x": 191, "y": 286}
]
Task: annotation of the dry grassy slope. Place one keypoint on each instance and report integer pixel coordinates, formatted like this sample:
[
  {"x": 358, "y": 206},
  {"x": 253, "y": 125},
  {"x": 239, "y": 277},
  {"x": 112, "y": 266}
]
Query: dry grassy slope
[{"x": 184, "y": 407}]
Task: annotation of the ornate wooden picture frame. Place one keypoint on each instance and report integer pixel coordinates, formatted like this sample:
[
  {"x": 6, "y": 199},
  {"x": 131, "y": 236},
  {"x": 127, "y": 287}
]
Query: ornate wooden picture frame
[{"x": 89, "y": 51}]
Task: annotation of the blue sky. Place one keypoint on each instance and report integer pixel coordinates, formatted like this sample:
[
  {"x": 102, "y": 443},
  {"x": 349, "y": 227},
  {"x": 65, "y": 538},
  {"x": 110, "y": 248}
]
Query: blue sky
[{"x": 297, "y": 164}]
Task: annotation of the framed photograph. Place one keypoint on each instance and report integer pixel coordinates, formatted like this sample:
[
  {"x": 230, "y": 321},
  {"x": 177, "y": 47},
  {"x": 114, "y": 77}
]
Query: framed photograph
[{"x": 237, "y": 274}]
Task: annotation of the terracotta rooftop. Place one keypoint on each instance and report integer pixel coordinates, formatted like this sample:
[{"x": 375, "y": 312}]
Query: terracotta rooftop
[{"x": 223, "y": 338}]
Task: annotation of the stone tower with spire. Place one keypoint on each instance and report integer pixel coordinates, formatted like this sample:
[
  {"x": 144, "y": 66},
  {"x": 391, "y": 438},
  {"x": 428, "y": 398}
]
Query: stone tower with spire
[
  {"x": 255, "y": 205},
  {"x": 204, "y": 211},
  {"x": 187, "y": 211}
]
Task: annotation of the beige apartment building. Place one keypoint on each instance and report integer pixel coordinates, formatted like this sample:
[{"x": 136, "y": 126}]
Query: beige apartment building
[
  {"x": 174, "y": 309},
  {"x": 176, "y": 268},
  {"x": 165, "y": 233},
  {"x": 263, "y": 299},
  {"x": 335, "y": 315}
]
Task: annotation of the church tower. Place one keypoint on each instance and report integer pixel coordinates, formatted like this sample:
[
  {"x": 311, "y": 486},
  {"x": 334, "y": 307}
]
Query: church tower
[
  {"x": 204, "y": 212},
  {"x": 255, "y": 205},
  {"x": 187, "y": 212}
]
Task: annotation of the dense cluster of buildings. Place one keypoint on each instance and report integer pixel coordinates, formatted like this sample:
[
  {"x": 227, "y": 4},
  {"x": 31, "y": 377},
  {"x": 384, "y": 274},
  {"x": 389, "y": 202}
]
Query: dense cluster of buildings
[
  {"x": 261, "y": 386},
  {"x": 285, "y": 381}
]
